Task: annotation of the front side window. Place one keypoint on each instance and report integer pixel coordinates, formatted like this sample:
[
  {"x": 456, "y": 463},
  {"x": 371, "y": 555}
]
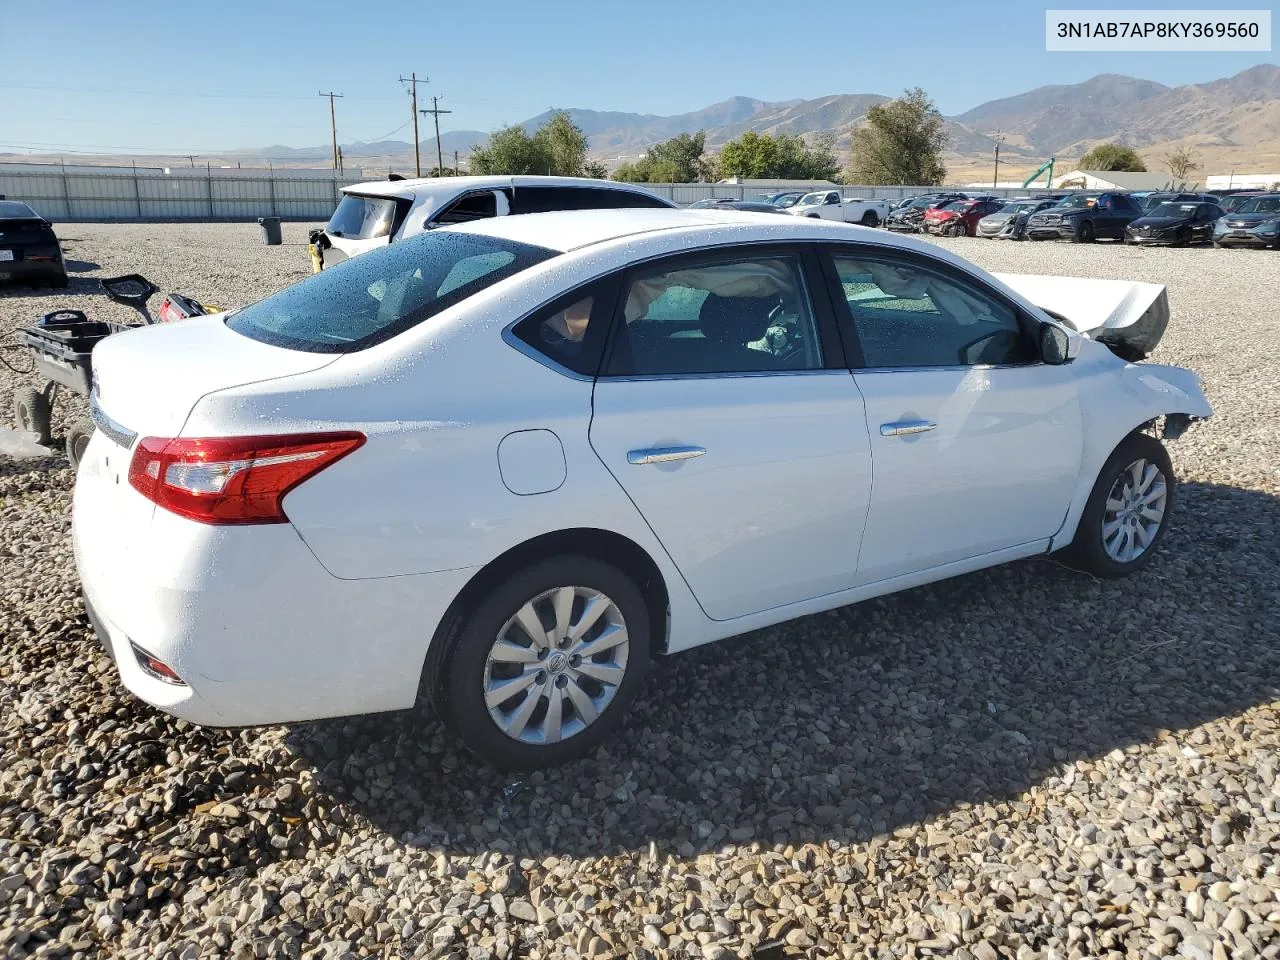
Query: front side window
[
  {"x": 363, "y": 218},
  {"x": 906, "y": 313},
  {"x": 377, "y": 295},
  {"x": 744, "y": 316}
]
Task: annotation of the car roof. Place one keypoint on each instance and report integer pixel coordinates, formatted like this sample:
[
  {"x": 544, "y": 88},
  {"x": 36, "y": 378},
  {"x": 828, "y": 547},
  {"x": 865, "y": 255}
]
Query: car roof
[
  {"x": 411, "y": 188},
  {"x": 567, "y": 230}
]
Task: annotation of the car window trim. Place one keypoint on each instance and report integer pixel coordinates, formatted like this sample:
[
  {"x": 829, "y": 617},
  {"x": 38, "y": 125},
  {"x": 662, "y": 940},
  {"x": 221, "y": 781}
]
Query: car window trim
[
  {"x": 830, "y": 250},
  {"x": 727, "y": 253},
  {"x": 434, "y": 220}
]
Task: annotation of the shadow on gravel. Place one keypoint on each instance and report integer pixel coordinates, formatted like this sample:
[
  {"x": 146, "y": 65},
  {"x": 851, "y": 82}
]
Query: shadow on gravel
[
  {"x": 81, "y": 266},
  {"x": 848, "y": 724}
]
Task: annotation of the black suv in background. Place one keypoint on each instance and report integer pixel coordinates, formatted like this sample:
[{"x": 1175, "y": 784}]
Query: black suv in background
[
  {"x": 1085, "y": 217},
  {"x": 29, "y": 250}
]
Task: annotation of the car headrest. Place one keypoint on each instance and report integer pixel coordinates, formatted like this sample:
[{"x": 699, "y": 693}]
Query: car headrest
[{"x": 737, "y": 320}]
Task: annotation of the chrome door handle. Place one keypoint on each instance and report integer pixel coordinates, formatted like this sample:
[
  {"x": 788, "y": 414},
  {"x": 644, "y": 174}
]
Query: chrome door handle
[
  {"x": 663, "y": 454},
  {"x": 904, "y": 428}
]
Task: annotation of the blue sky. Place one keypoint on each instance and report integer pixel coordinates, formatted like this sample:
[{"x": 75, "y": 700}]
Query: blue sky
[{"x": 194, "y": 77}]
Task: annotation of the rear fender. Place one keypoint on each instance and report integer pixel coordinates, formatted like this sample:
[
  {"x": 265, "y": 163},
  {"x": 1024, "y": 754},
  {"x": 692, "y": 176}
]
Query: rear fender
[{"x": 1120, "y": 400}]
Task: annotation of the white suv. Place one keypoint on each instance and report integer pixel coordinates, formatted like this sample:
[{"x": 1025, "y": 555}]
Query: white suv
[{"x": 379, "y": 212}]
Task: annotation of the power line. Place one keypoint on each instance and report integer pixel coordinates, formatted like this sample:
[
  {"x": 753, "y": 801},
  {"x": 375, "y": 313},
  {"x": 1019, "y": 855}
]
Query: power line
[{"x": 179, "y": 93}]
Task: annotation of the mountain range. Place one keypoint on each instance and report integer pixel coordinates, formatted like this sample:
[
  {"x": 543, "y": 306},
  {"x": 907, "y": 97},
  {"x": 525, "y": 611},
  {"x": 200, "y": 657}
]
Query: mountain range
[{"x": 1234, "y": 122}]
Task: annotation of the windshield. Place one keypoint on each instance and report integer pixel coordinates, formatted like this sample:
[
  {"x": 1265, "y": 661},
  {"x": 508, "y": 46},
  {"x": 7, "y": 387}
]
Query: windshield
[
  {"x": 1077, "y": 202},
  {"x": 811, "y": 198},
  {"x": 363, "y": 218},
  {"x": 1019, "y": 206},
  {"x": 1174, "y": 210},
  {"x": 377, "y": 295},
  {"x": 919, "y": 203},
  {"x": 1259, "y": 205},
  {"x": 788, "y": 200}
]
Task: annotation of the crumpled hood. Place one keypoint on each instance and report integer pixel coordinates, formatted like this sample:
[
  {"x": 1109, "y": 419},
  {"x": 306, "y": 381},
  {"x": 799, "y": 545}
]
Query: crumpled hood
[{"x": 1126, "y": 315}]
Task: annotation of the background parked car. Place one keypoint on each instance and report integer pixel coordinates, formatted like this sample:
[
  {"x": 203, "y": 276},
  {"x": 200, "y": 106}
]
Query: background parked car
[
  {"x": 1009, "y": 222},
  {"x": 830, "y": 205},
  {"x": 1176, "y": 223},
  {"x": 788, "y": 198},
  {"x": 908, "y": 217},
  {"x": 958, "y": 217},
  {"x": 1150, "y": 201},
  {"x": 29, "y": 249},
  {"x": 1255, "y": 223},
  {"x": 752, "y": 206},
  {"x": 372, "y": 215},
  {"x": 1085, "y": 217}
]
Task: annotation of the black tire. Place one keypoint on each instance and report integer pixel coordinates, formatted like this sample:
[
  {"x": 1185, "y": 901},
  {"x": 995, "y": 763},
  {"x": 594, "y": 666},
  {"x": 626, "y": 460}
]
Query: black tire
[
  {"x": 1087, "y": 551},
  {"x": 457, "y": 688},
  {"x": 31, "y": 413},
  {"x": 59, "y": 282},
  {"x": 813, "y": 216},
  {"x": 869, "y": 219},
  {"x": 1220, "y": 245},
  {"x": 1183, "y": 238},
  {"x": 77, "y": 439},
  {"x": 1085, "y": 233}
]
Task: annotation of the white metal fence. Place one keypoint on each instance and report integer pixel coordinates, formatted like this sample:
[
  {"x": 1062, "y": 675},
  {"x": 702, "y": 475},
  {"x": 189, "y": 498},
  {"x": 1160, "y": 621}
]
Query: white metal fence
[
  {"x": 64, "y": 195},
  {"x": 79, "y": 194}
]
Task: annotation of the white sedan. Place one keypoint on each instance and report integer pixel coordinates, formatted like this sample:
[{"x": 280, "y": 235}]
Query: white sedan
[{"x": 506, "y": 464}]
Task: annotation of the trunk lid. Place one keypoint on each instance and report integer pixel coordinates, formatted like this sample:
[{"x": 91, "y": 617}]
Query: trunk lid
[{"x": 146, "y": 381}]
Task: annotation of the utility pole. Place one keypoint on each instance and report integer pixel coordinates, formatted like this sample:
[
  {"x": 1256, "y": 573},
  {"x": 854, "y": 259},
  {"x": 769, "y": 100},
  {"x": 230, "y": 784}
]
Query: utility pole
[
  {"x": 435, "y": 111},
  {"x": 333, "y": 125},
  {"x": 413, "y": 81},
  {"x": 455, "y": 163},
  {"x": 995, "y": 177}
]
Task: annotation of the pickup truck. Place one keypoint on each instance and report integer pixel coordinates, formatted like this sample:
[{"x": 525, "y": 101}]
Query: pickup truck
[{"x": 830, "y": 205}]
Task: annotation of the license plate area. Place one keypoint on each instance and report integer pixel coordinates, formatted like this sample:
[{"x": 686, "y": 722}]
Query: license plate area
[{"x": 6, "y": 254}]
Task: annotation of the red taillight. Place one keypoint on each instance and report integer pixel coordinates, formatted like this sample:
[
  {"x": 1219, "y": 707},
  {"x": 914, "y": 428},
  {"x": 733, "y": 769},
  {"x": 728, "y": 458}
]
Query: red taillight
[{"x": 229, "y": 480}]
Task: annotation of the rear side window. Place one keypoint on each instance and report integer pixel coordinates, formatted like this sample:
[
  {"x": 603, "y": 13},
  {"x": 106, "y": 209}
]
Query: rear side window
[
  {"x": 473, "y": 206},
  {"x": 364, "y": 218},
  {"x": 16, "y": 209},
  {"x": 547, "y": 199},
  {"x": 377, "y": 295}
]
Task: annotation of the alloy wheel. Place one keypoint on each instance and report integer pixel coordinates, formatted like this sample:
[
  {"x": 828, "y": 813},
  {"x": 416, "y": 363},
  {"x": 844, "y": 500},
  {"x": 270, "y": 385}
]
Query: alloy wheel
[
  {"x": 556, "y": 665},
  {"x": 1134, "y": 511}
]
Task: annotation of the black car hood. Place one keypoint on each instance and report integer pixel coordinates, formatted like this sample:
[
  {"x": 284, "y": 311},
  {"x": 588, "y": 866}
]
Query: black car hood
[{"x": 1160, "y": 223}]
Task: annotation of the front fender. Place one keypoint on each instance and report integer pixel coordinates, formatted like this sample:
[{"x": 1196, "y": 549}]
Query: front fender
[{"x": 1117, "y": 398}]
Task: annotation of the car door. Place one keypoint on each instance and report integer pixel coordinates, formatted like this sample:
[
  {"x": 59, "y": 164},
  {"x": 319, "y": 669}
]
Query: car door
[
  {"x": 976, "y": 445},
  {"x": 727, "y": 413},
  {"x": 1207, "y": 215}
]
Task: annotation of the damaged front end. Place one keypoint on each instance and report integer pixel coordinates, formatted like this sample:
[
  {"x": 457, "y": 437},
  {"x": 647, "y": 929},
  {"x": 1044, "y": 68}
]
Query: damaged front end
[{"x": 1128, "y": 317}]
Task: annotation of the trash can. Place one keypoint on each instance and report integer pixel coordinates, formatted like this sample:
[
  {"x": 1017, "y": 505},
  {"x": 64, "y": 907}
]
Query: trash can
[{"x": 270, "y": 230}]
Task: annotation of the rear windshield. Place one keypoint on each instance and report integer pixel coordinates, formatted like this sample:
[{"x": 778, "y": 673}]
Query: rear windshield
[
  {"x": 363, "y": 218},
  {"x": 16, "y": 209},
  {"x": 373, "y": 297}
]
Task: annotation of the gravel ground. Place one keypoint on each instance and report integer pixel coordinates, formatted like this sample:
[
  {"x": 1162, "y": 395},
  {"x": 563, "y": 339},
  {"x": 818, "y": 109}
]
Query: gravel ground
[{"x": 1020, "y": 763}]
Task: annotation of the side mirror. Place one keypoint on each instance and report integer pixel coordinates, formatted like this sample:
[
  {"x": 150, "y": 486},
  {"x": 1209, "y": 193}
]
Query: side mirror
[{"x": 1056, "y": 346}]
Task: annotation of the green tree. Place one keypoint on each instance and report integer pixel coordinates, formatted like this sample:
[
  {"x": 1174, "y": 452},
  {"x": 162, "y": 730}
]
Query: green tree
[
  {"x": 595, "y": 169},
  {"x": 901, "y": 142},
  {"x": 785, "y": 157},
  {"x": 1113, "y": 156},
  {"x": 678, "y": 160},
  {"x": 558, "y": 147}
]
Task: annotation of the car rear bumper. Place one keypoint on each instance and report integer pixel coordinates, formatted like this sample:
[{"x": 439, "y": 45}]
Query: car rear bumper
[
  {"x": 256, "y": 628},
  {"x": 32, "y": 262}
]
